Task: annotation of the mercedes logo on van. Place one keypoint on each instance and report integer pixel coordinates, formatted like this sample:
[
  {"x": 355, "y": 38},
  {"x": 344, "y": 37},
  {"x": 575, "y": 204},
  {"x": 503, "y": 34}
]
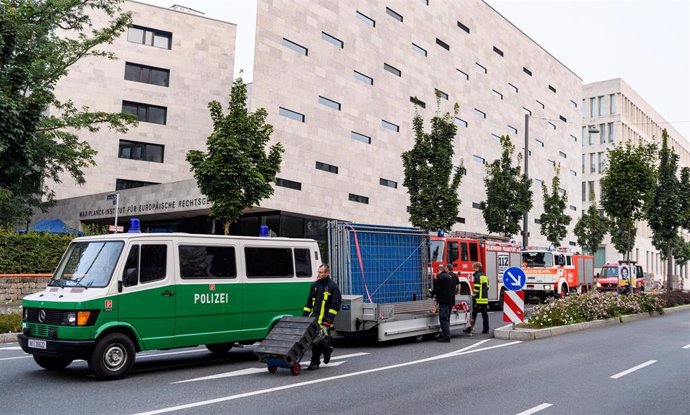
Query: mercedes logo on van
[{"x": 42, "y": 316}]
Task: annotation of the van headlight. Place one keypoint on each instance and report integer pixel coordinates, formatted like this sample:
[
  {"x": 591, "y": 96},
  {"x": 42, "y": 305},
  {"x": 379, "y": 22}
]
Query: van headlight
[
  {"x": 26, "y": 313},
  {"x": 547, "y": 287},
  {"x": 69, "y": 318}
]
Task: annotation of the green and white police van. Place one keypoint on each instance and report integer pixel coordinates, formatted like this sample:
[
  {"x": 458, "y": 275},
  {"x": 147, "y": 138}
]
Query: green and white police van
[{"x": 115, "y": 295}]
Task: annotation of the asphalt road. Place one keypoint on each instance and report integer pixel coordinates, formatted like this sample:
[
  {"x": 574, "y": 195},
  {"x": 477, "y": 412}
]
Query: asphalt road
[{"x": 641, "y": 367}]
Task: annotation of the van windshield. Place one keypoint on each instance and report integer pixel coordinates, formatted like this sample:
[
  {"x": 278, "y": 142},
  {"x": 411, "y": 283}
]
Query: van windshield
[
  {"x": 87, "y": 264},
  {"x": 537, "y": 259},
  {"x": 436, "y": 251},
  {"x": 609, "y": 272}
]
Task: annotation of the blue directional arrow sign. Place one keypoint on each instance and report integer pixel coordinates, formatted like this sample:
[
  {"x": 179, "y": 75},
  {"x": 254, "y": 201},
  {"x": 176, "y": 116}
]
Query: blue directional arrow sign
[{"x": 514, "y": 278}]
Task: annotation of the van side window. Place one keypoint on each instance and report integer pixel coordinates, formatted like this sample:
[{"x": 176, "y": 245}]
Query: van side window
[
  {"x": 198, "y": 262},
  {"x": 302, "y": 262},
  {"x": 154, "y": 260},
  {"x": 474, "y": 252},
  {"x": 269, "y": 262},
  {"x": 130, "y": 275},
  {"x": 463, "y": 254}
]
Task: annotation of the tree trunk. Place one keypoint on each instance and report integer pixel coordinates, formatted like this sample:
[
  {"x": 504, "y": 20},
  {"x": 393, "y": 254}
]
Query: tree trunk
[
  {"x": 226, "y": 227},
  {"x": 669, "y": 269}
]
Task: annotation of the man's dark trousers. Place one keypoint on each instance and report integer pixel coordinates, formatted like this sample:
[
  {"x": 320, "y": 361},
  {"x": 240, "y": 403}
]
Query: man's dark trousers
[{"x": 444, "y": 320}]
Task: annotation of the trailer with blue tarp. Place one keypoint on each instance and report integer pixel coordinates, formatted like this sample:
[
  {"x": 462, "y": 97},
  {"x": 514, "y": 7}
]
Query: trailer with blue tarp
[{"x": 384, "y": 276}]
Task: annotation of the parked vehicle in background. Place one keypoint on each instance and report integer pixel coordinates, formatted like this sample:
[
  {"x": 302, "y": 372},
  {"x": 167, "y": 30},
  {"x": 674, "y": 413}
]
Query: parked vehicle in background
[
  {"x": 556, "y": 273},
  {"x": 623, "y": 277}
]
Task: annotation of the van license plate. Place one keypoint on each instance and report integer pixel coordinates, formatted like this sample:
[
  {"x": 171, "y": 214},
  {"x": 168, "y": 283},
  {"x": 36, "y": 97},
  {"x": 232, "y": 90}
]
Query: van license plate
[{"x": 37, "y": 344}]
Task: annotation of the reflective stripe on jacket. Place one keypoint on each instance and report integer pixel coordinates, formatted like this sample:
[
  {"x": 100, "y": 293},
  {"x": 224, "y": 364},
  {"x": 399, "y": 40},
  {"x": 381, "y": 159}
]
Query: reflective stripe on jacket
[
  {"x": 323, "y": 301},
  {"x": 481, "y": 288}
]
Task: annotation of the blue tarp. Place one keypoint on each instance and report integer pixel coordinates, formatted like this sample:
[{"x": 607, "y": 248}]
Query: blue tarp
[{"x": 52, "y": 226}]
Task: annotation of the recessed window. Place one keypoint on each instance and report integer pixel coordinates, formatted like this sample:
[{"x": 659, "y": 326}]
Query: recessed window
[
  {"x": 366, "y": 79},
  {"x": 288, "y": 183},
  {"x": 573, "y": 103},
  {"x": 425, "y": 2},
  {"x": 496, "y": 137},
  {"x": 552, "y": 125},
  {"x": 459, "y": 219},
  {"x": 562, "y": 118},
  {"x": 540, "y": 104},
  {"x": 392, "y": 69},
  {"x": 419, "y": 49},
  {"x": 537, "y": 221},
  {"x": 540, "y": 143},
  {"x": 134, "y": 150},
  {"x": 329, "y": 103},
  {"x": 366, "y": 19},
  {"x": 529, "y": 153},
  {"x": 573, "y": 208},
  {"x": 498, "y": 94},
  {"x": 573, "y": 173},
  {"x": 441, "y": 94},
  {"x": 146, "y": 112},
  {"x": 388, "y": 183},
  {"x": 562, "y": 154},
  {"x": 463, "y": 74},
  {"x": 392, "y": 13},
  {"x": 498, "y": 51},
  {"x": 527, "y": 71},
  {"x": 332, "y": 40},
  {"x": 281, "y": 264},
  {"x": 460, "y": 122},
  {"x": 551, "y": 162},
  {"x": 477, "y": 205},
  {"x": 296, "y": 47},
  {"x": 291, "y": 114},
  {"x": 390, "y": 126},
  {"x": 478, "y": 159},
  {"x": 573, "y": 137},
  {"x": 122, "y": 184},
  {"x": 480, "y": 67},
  {"x": 360, "y": 137},
  {"x": 538, "y": 181},
  {"x": 202, "y": 262},
  {"x": 442, "y": 44},
  {"x": 418, "y": 102},
  {"x": 146, "y": 74},
  {"x": 512, "y": 129},
  {"x": 552, "y": 89},
  {"x": 327, "y": 167},
  {"x": 358, "y": 198},
  {"x": 480, "y": 113},
  {"x": 527, "y": 111},
  {"x": 151, "y": 37},
  {"x": 463, "y": 27},
  {"x": 513, "y": 87}
]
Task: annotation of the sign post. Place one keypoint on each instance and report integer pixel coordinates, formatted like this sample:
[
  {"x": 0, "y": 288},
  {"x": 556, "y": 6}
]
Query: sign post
[
  {"x": 115, "y": 197},
  {"x": 514, "y": 298}
]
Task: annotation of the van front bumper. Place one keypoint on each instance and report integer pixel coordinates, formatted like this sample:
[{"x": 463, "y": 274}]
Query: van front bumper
[{"x": 71, "y": 349}]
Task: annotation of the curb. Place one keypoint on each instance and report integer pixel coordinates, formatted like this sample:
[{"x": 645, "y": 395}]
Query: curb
[
  {"x": 8, "y": 337},
  {"x": 507, "y": 332}
]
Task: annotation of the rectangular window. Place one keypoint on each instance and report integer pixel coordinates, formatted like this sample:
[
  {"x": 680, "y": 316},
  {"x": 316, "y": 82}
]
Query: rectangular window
[
  {"x": 134, "y": 150},
  {"x": 151, "y": 37},
  {"x": 592, "y": 164},
  {"x": 552, "y": 125},
  {"x": 498, "y": 51},
  {"x": 440, "y": 94},
  {"x": 552, "y": 89},
  {"x": 584, "y": 191},
  {"x": 288, "y": 183},
  {"x": 602, "y": 105},
  {"x": 592, "y": 106},
  {"x": 394, "y": 14},
  {"x": 419, "y": 49},
  {"x": 573, "y": 173},
  {"x": 498, "y": 94},
  {"x": 591, "y": 190},
  {"x": 480, "y": 67},
  {"x": 480, "y": 113},
  {"x": 146, "y": 112},
  {"x": 122, "y": 184},
  {"x": 360, "y": 137},
  {"x": 366, "y": 19},
  {"x": 573, "y": 137},
  {"x": 459, "y": 219},
  {"x": 537, "y": 220},
  {"x": 513, "y": 87},
  {"x": 539, "y": 143},
  {"x": 460, "y": 122},
  {"x": 527, "y": 111},
  {"x": 153, "y": 263},
  {"x": 612, "y": 103},
  {"x": 146, "y": 74},
  {"x": 512, "y": 129},
  {"x": 601, "y": 161},
  {"x": 474, "y": 252},
  {"x": 476, "y": 205},
  {"x": 527, "y": 71},
  {"x": 390, "y": 126},
  {"x": 539, "y": 182},
  {"x": 291, "y": 114},
  {"x": 540, "y": 103},
  {"x": 574, "y": 104},
  {"x": 332, "y": 40},
  {"x": 329, "y": 103},
  {"x": 388, "y": 183},
  {"x": 496, "y": 137},
  {"x": 366, "y": 79},
  {"x": 442, "y": 44},
  {"x": 463, "y": 27},
  {"x": 391, "y": 69},
  {"x": 478, "y": 159},
  {"x": 562, "y": 118},
  {"x": 327, "y": 167},
  {"x": 562, "y": 154},
  {"x": 602, "y": 133},
  {"x": 357, "y": 198},
  {"x": 418, "y": 102},
  {"x": 584, "y": 108},
  {"x": 463, "y": 74},
  {"x": 200, "y": 262},
  {"x": 302, "y": 262},
  {"x": 573, "y": 208},
  {"x": 269, "y": 262},
  {"x": 551, "y": 162},
  {"x": 611, "y": 135},
  {"x": 296, "y": 47}
]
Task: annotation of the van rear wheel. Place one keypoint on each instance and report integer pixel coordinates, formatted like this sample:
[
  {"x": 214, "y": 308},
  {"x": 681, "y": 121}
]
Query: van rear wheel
[
  {"x": 52, "y": 363},
  {"x": 219, "y": 348},
  {"x": 113, "y": 357}
]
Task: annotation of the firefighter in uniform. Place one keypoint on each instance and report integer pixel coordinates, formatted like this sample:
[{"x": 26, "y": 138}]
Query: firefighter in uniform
[
  {"x": 323, "y": 303},
  {"x": 480, "y": 298}
]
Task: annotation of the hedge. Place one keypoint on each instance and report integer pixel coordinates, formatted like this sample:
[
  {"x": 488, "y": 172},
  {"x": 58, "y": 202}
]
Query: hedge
[
  {"x": 31, "y": 253},
  {"x": 10, "y": 323}
]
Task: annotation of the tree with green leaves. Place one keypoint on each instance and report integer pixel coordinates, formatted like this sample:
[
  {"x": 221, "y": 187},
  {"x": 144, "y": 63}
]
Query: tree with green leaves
[
  {"x": 627, "y": 187},
  {"x": 508, "y": 193},
  {"x": 554, "y": 221},
  {"x": 39, "y": 42},
  {"x": 236, "y": 172},
  {"x": 431, "y": 179},
  {"x": 591, "y": 229},
  {"x": 665, "y": 215}
]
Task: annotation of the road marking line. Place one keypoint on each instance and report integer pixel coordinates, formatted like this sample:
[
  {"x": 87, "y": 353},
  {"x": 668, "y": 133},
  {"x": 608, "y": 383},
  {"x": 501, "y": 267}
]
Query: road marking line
[
  {"x": 15, "y": 358},
  {"x": 346, "y": 356},
  {"x": 11, "y": 348},
  {"x": 686, "y": 347},
  {"x": 632, "y": 369},
  {"x": 311, "y": 382},
  {"x": 535, "y": 409},
  {"x": 249, "y": 371}
]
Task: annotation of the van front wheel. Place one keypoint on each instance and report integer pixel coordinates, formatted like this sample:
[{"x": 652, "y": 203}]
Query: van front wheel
[
  {"x": 113, "y": 357},
  {"x": 52, "y": 363}
]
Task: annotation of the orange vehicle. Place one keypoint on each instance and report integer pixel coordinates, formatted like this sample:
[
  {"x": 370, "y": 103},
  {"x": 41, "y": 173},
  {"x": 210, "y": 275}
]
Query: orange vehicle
[
  {"x": 620, "y": 277},
  {"x": 463, "y": 249},
  {"x": 556, "y": 272}
]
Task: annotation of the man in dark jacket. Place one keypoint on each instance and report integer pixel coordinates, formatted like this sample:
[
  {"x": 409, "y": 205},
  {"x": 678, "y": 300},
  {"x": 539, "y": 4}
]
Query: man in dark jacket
[
  {"x": 323, "y": 303},
  {"x": 444, "y": 293}
]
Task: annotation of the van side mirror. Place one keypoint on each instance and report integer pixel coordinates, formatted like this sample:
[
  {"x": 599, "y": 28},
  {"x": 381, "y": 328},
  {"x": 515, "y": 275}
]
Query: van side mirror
[{"x": 597, "y": 275}]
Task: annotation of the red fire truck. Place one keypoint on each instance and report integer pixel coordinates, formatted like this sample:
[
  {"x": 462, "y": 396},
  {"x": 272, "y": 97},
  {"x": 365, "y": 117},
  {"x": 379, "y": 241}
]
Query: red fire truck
[
  {"x": 463, "y": 249},
  {"x": 556, "y": 272}
]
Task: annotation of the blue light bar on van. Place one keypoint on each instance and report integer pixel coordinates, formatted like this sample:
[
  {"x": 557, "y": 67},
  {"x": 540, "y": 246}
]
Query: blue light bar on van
[
  {"x": 134, "y": 226},
  {"x": 264, "y": 232}
]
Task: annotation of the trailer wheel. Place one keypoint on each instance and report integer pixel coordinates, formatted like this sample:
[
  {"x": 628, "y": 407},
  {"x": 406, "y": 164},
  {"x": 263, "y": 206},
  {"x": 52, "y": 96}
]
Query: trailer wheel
[
  {"x": 113, "y": 357},
  {"x": 52, "y": 363},
  {"x": 272, "y": 368},
  {"x": 295, "y": 369}
]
